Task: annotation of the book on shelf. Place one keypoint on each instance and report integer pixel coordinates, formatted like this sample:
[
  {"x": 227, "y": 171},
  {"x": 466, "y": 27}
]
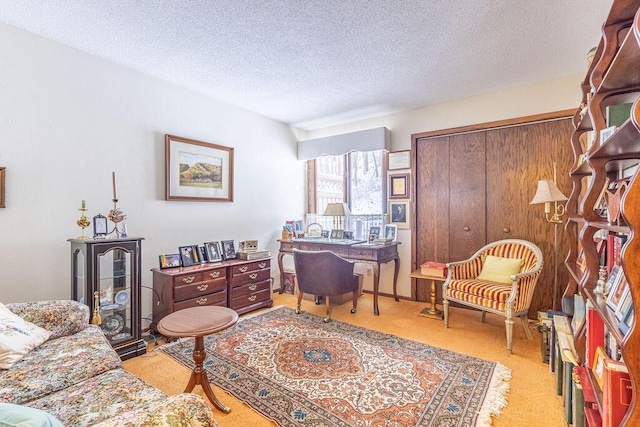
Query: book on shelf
[
  {"x": 594, "y": 333},
  {"x": 431, "y": 268},
  {"x": 566, "y": 344},
  {"x": 614, "y": 249},
  {"x": 592, "y": 416},
  {"x": 577, "y": 401},
  {"x": 617, "y": 114},
  {"x": 617, "y": 392},
  {"x": 250, "y": 256}
]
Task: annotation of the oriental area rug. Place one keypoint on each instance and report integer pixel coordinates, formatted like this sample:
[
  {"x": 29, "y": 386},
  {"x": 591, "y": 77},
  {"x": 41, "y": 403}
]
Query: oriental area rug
[{"x": 299, "y": 371}]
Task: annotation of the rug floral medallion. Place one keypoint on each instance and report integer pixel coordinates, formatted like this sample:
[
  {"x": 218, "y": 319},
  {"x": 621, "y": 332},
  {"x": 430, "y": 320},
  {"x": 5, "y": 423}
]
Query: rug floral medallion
[{"x": 299, "y": 371}]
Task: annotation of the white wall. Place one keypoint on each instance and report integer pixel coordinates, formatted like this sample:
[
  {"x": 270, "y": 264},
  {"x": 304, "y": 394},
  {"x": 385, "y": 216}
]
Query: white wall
[
  {"x": 68, "y": 119},
  {"x": 529, "y": 100}
]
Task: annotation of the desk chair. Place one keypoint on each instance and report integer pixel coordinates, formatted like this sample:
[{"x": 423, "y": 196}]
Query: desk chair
[
  {"x": 325, "y": 274},
  {"x": 500, "y": 278}
]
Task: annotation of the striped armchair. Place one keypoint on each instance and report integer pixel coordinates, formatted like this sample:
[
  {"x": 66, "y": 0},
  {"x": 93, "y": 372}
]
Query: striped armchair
[{"x": 508, "y": 300}]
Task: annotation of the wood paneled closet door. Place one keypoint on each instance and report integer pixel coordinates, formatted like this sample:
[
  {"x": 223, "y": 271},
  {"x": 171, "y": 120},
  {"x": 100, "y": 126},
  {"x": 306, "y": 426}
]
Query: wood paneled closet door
[{"x": 474, "y": 188}]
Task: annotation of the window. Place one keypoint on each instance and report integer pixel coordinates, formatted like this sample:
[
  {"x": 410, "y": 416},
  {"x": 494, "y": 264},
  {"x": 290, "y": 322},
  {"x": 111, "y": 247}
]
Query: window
[{"x": 356, "y": 178}]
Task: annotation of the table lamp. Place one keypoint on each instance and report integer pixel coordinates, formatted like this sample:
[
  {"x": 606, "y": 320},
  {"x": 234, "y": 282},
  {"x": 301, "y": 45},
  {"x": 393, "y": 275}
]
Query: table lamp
[{"x": 337, "y": 211}]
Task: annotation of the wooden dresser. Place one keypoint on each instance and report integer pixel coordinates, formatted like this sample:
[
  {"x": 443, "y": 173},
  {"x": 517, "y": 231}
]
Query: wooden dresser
[{"x": 241, "y": 285}]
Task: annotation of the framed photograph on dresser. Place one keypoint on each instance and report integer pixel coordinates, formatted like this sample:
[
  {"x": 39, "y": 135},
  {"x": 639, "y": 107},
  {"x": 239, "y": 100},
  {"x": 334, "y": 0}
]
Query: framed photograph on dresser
[
  {"x": 189, "y": 255},
  {"x": 213, "y": 251},
  {"x": 228, "y": 249}
]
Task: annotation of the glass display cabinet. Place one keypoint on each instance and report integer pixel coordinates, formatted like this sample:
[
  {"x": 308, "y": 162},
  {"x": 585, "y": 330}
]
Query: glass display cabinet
[{"x": 106, "y": 276}]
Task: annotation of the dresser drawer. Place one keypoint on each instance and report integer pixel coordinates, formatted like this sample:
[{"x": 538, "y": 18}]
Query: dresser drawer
[
  {"x": 243, "y": 300},
  {"x": 250, "y": 288},
  {"x": 250, "y": 277},
  {"x": 219, "y": 298},
  {"x": 263, "y": 264},
  {"x": 181, "y": 293},
  {"x": 187, "y": 279}
]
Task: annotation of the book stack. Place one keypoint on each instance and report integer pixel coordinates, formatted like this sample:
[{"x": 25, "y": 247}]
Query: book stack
[{"x": 431, "y": 268}]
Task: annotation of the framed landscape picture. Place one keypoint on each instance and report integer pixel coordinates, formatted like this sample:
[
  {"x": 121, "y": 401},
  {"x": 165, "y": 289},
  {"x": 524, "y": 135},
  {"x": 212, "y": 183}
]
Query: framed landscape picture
[{"x": 196, "y": 170}]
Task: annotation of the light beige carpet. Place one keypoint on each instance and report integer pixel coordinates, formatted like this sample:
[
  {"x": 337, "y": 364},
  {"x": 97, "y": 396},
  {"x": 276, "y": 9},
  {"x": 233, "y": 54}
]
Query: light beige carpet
[{"x": 531, "y": 400}]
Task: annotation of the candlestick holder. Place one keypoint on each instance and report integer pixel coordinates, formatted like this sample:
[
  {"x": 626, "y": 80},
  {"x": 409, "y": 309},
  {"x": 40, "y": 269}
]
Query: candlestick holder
[
  {"x": 116, "y": 216},
  {"x": 83, "y": 222}
]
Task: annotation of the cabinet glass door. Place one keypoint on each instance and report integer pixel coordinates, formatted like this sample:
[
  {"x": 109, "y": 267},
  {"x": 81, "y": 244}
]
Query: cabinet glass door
[{"x": 114, "y": 272}]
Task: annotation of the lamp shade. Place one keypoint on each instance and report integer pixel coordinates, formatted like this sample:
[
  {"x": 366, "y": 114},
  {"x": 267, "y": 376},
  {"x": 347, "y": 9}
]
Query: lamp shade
[
  {"x": 337, "y": 209},
  {"x": 547, "y": 192}
]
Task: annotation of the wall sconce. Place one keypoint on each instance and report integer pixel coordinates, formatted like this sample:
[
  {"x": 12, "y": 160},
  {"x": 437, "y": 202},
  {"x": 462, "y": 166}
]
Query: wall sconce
[
  {"x": 549, "y": 193},
  {"x": 338, "y": 212}
]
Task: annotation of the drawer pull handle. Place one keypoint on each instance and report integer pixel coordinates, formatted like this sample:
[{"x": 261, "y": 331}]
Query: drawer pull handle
[
  {"x": 253, "y": 276},
  {"x": 203, "y": 287},
  {"x": 262, "y": 265},
  {"x": 201, "y": 301},
  {"x": 214, "y": 274},
  {"x": 243, "y": 269},
  {"x": 252, "y": 298},
  {"x": 189, "y": 279},
  {"x": 253, "y": 287}
]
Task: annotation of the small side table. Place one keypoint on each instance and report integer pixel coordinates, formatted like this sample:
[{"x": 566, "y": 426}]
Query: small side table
[
  {"x": 430, "y": 312},
  {"x": 199, "y": 322}
]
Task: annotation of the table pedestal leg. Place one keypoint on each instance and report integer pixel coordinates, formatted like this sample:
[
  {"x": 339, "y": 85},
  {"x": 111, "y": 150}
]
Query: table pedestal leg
[
  {"x": 199, "y": 376},
  {"x": 432, "y": 311}
]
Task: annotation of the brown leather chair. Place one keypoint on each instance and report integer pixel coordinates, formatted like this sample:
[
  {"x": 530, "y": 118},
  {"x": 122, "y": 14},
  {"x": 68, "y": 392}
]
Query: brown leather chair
[{"x": 324, "y": 273}]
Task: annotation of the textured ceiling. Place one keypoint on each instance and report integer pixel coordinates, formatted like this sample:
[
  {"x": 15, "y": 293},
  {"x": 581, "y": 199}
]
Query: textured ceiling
[{"x": 315, "y": 63}]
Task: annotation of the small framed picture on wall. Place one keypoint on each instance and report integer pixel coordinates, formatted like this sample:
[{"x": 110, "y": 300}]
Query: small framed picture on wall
[
  {"x": 399, "y": 185},
  {"x": 399, "y": 214}
]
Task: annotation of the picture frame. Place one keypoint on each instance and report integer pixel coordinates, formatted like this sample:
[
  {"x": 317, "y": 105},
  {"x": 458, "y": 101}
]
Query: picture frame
[
  {"x": 100, "y": 226},
  {"x": 324, "y": 234},
  {"x": 169, "y": 261},
  {"x": 2, "y": 186},
  {"x": 625, "y": 300},
  {"x": 347, "y": 234},
  {"x": 606, "y": 133},
  {"x": 627, "y": 320},
  {"x": 399, "y": 185},
  {"x": 337, "y": 234},
  {"x": 399, "y": 213},
  {"x": 399, "y": 160},
  {"x": 617, "y": 287},
  {"x": 598, "y": 366},
  {"x": 228, "y": 249},
  {"x": 298, "y": 228},
  {"x": 202, "y": 251},
  {"x": 189, "y": 255},
  {"x": 197, "y": 170},
  {"x": 391, "y": 232},
  {"x": 213, "y": 251},
  {"x": 374, "y": 233}
]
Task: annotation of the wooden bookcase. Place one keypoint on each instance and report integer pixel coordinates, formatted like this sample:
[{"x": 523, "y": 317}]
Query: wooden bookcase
[{"x": 612, "y": 79}]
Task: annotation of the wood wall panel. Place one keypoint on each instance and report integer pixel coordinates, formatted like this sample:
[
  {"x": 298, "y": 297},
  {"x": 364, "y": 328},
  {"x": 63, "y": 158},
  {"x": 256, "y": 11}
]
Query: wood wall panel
[
  {"x": 432, "y": 183},
  {"x": 467, "y": 202}
]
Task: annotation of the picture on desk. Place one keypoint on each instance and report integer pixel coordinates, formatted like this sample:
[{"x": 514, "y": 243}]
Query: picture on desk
[
  {"x": 390, "y": 232},
  {"x": 337, "y": 234}
]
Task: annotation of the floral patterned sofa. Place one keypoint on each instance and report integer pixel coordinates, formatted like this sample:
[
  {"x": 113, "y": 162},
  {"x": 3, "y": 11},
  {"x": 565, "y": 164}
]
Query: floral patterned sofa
[{"x": 78, "y": 378}]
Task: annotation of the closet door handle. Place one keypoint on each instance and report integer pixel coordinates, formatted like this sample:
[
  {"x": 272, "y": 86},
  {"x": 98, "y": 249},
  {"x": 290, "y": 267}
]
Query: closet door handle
[
  {"x": 506, "y": 230},
  {"x": 466, "y": 228}
]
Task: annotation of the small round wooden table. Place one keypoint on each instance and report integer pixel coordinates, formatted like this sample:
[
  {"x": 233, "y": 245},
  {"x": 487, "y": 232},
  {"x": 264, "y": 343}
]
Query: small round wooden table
[{"x": 199, "y": 322}]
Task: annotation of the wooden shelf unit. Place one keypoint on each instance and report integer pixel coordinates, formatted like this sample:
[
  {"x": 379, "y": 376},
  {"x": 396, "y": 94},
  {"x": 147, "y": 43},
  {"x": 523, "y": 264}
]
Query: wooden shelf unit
[{"x": 613, "y": 78}]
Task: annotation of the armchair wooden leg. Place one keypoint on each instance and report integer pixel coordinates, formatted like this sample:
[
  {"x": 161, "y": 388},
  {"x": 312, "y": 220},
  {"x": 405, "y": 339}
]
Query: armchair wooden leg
[
  {"x": 355, "y": 302},
  {"x": 526, "y": 326},
  {"x": 300, "y": 294},
  {"x": 328, "y": 309},
  {"x": 445, "y": 309},
  {"x": 509, "y": 326},
  {"x": 484, "y": 317}
]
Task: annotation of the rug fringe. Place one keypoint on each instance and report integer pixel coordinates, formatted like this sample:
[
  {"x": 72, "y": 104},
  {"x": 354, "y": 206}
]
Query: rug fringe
[{"x": 496, "y": 398}]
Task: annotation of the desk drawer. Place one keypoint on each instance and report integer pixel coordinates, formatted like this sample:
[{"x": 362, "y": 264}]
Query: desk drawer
[
  {"x": 288, "y": 246},
  {"x": 219, "y": 298},
  {"x": 365, "y": 254},
  {"x": 181, "y": 293}
]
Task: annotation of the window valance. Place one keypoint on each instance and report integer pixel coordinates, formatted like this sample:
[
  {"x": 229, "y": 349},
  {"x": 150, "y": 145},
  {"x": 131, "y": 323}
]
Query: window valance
[{"x": 364, "y": 140}]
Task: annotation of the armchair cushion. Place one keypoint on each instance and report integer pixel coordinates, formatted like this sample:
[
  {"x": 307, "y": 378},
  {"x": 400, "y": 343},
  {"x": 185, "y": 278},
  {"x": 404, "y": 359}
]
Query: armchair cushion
[
  {"x": 481, "y": 293},
  {"x": 499, "y": 269},
  {"x": 17, "y": 337}
]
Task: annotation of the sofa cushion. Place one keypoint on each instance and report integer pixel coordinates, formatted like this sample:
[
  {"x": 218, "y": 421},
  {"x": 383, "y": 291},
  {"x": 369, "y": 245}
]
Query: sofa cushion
[
  {"x": 61, "y": 317},
  {"x": 17, "y": 337},
  {"x": 499, "y": 269},
  {"x": 24, "y": 416},
  {"x": 99, "y": 398},
  {"x": 69, "y": 360}
]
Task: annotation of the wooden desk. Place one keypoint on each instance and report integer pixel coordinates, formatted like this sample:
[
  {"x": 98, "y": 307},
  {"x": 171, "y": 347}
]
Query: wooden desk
[
  {"x": 431, "y": 312},
  {"x": 353, "y": 250}
]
